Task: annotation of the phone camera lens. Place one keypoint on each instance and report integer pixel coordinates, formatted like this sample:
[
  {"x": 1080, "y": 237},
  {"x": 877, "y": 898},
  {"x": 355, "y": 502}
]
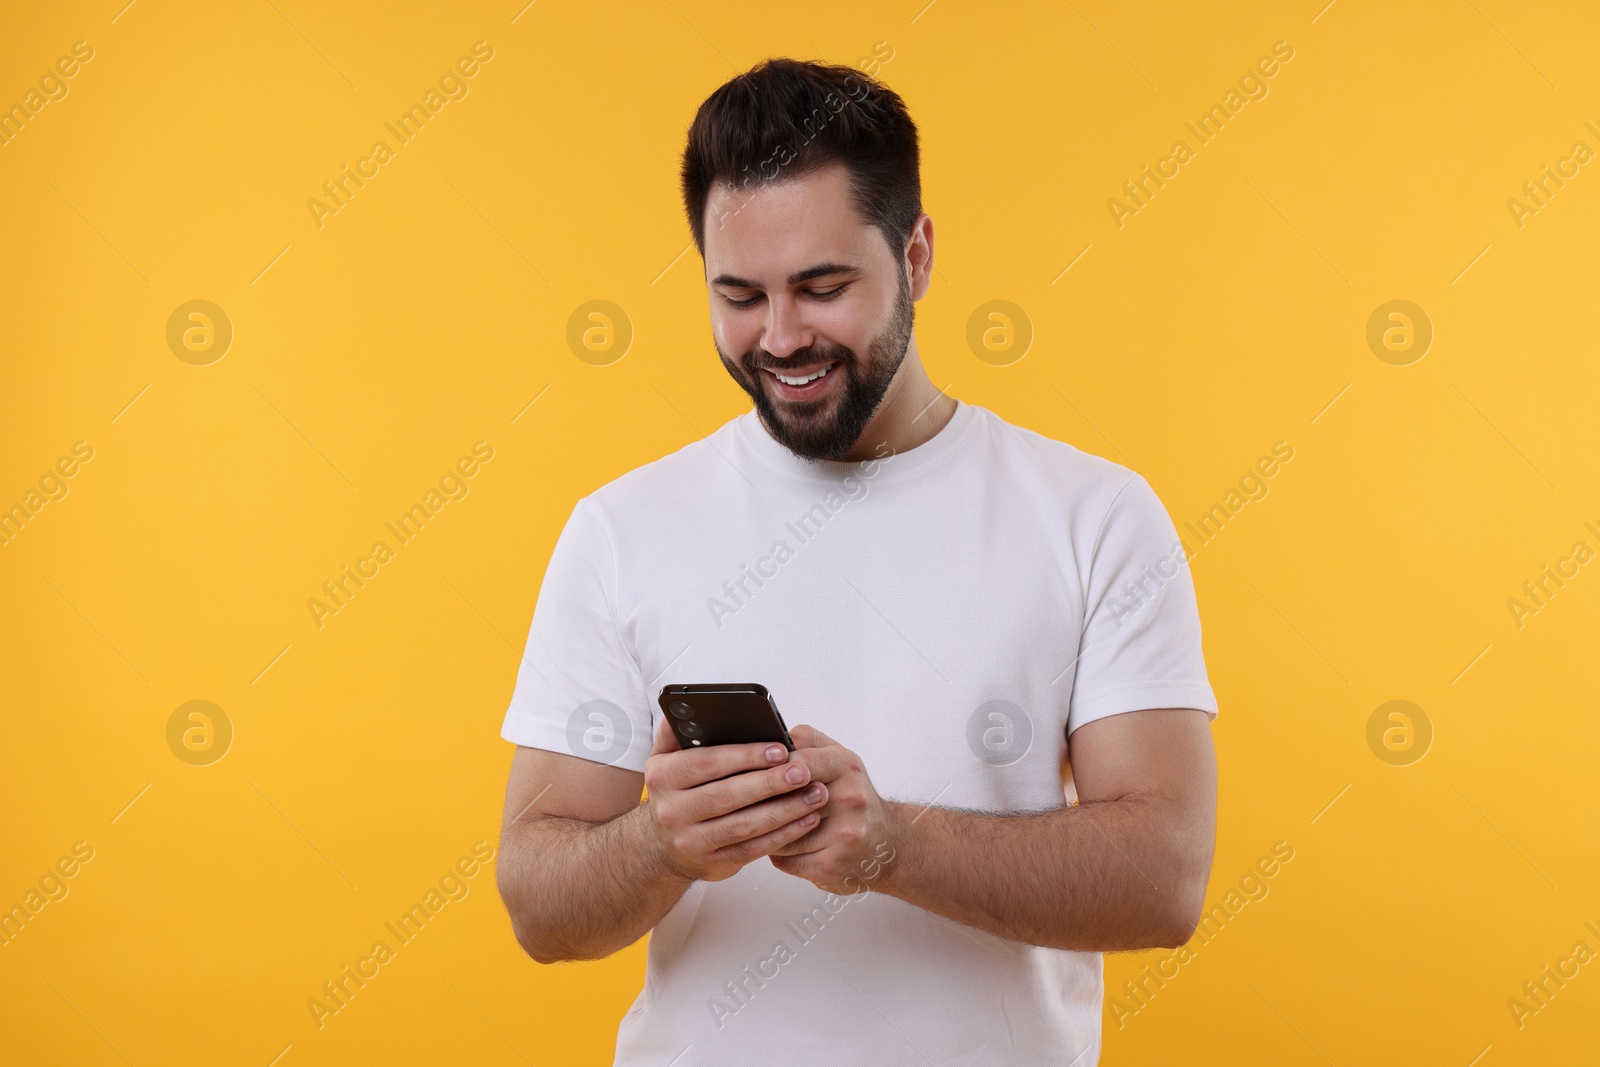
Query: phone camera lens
[
  {"x": 690, "y": 729},
  {"x": 680, "y": 710}
]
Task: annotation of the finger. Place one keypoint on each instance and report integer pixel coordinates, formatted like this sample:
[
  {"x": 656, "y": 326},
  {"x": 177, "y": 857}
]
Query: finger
[
  {"x": 798, "y": 866},
  {"x": 760, "y": 818},
  {"x": 806, "y": 736},
  {"x": 816, "y": 840},
  {"x": 827, "y": 764},
  {"x": 698, "y": 766},
  {"x": 665, "y": 739},
  {"x": 765, "y": 844},
  {"x": 748, "y": 789},
  {"x": 805, "y": 844}
]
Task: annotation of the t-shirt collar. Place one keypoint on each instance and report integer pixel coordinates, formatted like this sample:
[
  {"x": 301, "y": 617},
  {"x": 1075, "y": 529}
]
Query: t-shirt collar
[{"x": 889, "y": 466}]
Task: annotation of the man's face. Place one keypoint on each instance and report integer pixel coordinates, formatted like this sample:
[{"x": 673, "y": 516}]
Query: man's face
[{"x": 799, "y": 286}]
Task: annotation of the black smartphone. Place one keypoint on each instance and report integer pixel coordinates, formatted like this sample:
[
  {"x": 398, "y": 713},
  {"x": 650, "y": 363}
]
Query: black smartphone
[{"x": 729, "y": 713}]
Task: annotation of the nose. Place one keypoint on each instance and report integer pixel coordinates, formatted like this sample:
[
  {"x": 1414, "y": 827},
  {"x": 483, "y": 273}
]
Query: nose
[{"x": 786, "y": 331}]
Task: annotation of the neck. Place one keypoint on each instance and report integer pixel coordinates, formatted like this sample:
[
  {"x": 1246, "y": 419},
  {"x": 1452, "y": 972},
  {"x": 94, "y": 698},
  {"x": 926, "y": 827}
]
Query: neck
[{"x": 912, "y": 412}]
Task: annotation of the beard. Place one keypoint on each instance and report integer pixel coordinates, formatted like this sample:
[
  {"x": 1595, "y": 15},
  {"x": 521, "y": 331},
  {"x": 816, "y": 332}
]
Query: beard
[{"x": 829, "y": 427}]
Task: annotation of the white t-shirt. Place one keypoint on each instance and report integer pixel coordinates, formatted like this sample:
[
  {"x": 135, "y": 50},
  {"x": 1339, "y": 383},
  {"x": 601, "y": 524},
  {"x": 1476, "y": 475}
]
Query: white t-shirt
[{"x": 950, "y": 614}]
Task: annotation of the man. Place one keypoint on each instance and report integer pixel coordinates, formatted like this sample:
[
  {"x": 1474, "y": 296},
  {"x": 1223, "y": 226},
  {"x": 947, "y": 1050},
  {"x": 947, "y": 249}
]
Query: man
[{"x": 946, "y": 608}]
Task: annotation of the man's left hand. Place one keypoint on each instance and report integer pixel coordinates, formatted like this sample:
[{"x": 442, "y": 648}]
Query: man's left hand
[{"x": 858, "y": 833}]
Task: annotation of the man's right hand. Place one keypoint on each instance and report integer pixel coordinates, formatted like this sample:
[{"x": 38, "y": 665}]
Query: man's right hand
[{"x": 709, "y": 829}]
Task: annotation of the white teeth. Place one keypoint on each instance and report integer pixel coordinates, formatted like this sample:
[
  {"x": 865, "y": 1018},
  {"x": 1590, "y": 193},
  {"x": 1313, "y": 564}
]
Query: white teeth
[{"x": 786, "y": 380}]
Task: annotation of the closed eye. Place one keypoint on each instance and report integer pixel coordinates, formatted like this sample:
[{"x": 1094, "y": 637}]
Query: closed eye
[{"x": 827, "y": 294}]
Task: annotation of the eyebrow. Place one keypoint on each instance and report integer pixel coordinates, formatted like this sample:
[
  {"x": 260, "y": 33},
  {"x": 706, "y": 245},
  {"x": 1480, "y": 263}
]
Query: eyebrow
[{"x": 818, "y": 271}]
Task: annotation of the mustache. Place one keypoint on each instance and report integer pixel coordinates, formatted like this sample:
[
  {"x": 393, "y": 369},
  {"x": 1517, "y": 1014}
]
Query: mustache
[{"x": 809, "y": 357}]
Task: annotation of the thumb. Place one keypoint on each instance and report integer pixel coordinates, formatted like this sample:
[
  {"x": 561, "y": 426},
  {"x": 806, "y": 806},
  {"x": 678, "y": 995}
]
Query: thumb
[
  {"x": 807, "y": 736},
  {"x": 665, "y": 739}
]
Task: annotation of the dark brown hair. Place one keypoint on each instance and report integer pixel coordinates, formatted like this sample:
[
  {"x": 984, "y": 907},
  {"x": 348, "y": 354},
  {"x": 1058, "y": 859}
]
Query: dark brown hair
[{"x": 785, "y": 118}]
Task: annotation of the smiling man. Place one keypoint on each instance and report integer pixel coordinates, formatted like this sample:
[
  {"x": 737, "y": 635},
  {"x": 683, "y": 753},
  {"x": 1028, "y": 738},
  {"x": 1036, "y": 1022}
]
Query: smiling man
[
  {"x": 819, "y": 398},
  {"x": 992, "y": 658}
]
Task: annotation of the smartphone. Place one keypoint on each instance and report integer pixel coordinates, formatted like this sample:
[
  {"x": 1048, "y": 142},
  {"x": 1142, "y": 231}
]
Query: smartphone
[{"x": 730, "y": 713}]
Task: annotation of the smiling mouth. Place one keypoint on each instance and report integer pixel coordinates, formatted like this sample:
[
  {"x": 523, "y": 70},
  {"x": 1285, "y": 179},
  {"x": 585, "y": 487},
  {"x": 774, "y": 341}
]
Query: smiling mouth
[{"x": 801, "y": 379}]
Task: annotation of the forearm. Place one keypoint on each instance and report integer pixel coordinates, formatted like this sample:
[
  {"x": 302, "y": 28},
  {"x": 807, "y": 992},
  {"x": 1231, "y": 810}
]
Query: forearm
[
  {"x": 580, "y": 891},
  {"x": 1107, "y": 876}
]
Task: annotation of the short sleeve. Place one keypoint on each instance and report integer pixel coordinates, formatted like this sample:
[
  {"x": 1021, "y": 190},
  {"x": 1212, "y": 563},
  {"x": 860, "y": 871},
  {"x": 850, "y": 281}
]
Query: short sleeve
[
  {"x": 1140, "y": 644},
  {"x": 579, "y": 689}
]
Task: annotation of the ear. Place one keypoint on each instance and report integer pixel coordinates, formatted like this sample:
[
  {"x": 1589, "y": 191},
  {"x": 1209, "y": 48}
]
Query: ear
[{"x": 810, "y": 737}]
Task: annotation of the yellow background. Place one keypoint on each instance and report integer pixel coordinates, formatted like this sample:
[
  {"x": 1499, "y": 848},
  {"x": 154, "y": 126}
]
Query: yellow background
[{"x": 371, "y": 352}]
